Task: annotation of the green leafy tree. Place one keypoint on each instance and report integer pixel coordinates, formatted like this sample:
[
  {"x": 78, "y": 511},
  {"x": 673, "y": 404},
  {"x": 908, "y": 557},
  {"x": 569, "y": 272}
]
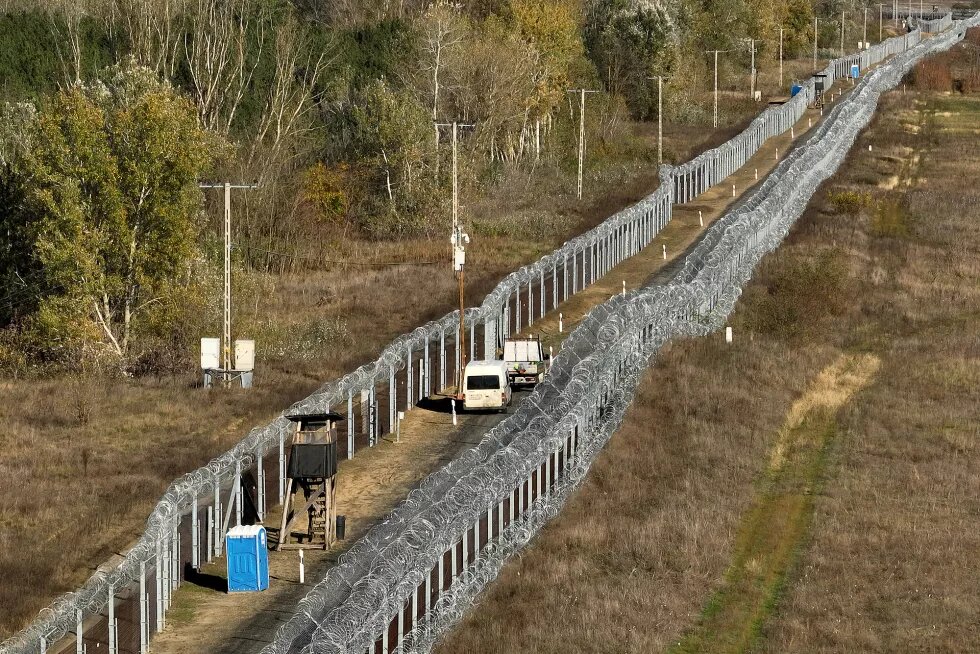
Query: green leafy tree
[{"x": 110, "y": 209}]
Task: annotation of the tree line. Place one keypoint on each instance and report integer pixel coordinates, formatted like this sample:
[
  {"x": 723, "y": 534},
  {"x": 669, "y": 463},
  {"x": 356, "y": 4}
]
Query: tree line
[{"x": 117, "y": 108}]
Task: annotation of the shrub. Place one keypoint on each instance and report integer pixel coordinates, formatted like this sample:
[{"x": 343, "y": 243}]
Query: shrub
[
  {"x": 889, "y": 220},
  {"x": 933, "y": 74},
  {"x": 849, "y": 202},
  {"x": 800, "y": 292}
]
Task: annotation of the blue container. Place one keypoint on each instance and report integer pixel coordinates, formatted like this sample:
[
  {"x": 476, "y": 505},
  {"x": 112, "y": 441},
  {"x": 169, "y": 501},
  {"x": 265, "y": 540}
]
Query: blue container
[
  {"x": 855, "y": 71},
  {"x": 248, "y": 559},
  {"x": 795, "y": 89}
]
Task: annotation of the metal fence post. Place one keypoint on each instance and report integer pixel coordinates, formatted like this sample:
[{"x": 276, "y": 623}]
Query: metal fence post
[
  {"x": 112, "y": 620},
  {"x": 442, "y": 359},
  {"x": 238, "y": 493},
  {"x": 159, "y": 583},
  {"x": 144, "y": 611},
  {"x": 392, "y": 402},
  {"x": 260, "y": 480},
  {"x": 195, "y": 554},
  {"x": 282, "y": 466},
  {"x": 217, "y": 515},
  {"x": 408, "y": 381},
  {"x": 80, "y": 631}
]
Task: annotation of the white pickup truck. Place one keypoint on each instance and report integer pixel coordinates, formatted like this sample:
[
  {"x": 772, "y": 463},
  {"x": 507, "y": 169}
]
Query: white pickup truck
[{"x": 526, "y": 360}]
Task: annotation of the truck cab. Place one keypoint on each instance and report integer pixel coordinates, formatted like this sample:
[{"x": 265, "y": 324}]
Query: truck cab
[
  {"x": 526, "y": 361},
  {"x": 485, "y": 386}
]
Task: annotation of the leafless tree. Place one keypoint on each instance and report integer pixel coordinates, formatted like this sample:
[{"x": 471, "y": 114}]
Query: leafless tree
[
  {"x": 154, "y": 29},
  {"x": 216, "y": 48},
  {"x": 288, "y": 114}
]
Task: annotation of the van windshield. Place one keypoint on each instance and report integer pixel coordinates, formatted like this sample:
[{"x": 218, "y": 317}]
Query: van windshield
[{"x": 483, "y": 383}]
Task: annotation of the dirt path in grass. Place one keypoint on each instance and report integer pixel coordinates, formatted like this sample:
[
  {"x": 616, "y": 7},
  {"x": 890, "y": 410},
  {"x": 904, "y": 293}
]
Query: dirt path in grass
[{"x": 777, "y": 524}]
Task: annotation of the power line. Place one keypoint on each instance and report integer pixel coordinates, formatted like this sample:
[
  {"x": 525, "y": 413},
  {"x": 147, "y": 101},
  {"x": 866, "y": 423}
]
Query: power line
[{"x": 340, "y": 262}]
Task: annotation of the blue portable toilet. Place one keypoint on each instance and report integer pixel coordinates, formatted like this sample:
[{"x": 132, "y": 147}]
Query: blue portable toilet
[
  {"x": 855, "y": 71},
  {"x": 248, "y": 559},
  {"x": 795, "y": 89}
]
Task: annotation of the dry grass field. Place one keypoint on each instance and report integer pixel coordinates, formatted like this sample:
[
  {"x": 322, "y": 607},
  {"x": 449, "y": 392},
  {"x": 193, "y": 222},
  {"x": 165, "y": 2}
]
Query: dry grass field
[
  {"x": 84, "y": 459},
  {"x": 811, "y": 488}
]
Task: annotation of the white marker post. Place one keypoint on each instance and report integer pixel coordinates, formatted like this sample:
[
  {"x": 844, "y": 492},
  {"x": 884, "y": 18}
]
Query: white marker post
[
  {"x": 728, "y": 335},
  {"x": 665, "y": 253},
  {"x": 452, "y": 404},
  {"x": 792, "y": 132},
  {"x": 733, "y": 190},
  {"x": 398, "y": 428},
  {"x": 302, "y": 568},
  {"x": 757, "y": 174},
  {"x": 561, "y": 325},
  {"x": 624, "y": 288},
  {"x": 700, "y": 218},
  {"x": 809, "y": 122}
]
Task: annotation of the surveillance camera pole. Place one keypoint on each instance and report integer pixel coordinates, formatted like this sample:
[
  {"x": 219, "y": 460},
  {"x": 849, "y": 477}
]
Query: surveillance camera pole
[
  {"x": 226, "y": 340},
  {"x": 459, "y": 240}
]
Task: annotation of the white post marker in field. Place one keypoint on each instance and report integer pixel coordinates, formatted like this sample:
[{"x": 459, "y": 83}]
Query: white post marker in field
[
  {"x": 452, "y": 404},
  {"x": 700, "y": 218},
  {"x": 302, "y": 568},
  {"x": 728, "y": 335},
  {"x": 561, "y": 326},
  {"x": 398, "y": 428}
]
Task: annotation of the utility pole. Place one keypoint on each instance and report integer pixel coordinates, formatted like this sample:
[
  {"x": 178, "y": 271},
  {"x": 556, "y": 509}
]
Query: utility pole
[
  {"x": 842, "y": 34},
  {"x": 816, "y": 38},
  {"x": 865, "y": 42},
  {"x": 716, "y": 52},
  {"x": 581, "y": 138},
  {"x": 226, "y": 339},
  {"x": 459, "y": 239},
  {"x": 660, "y": 117},
  {"x": 780, "y": 57}
]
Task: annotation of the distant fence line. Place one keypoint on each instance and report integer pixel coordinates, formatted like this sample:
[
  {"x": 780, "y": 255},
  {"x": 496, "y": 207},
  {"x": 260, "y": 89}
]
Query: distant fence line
[{"x": 120, "y": 607}]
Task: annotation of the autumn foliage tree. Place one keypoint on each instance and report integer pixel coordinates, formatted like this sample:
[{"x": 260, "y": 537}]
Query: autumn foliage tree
[{"x": 109, "y": 216}]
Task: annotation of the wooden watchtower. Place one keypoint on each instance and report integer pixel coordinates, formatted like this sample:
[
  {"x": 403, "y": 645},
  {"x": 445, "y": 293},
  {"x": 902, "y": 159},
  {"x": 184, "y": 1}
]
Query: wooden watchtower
[{"x": 312, "y": 468}]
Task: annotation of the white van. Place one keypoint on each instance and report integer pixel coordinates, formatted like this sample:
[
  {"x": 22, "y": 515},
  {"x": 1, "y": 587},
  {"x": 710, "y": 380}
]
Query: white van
[{"x": 485, "y": 385}]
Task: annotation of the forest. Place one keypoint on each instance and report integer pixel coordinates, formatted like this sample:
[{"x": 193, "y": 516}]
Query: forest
[{"x": 115, "y": 110}]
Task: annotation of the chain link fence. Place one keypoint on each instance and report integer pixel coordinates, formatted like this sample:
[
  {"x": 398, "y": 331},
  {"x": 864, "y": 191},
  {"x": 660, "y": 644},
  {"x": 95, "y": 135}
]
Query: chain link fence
[{"x": 413, "y": 574}]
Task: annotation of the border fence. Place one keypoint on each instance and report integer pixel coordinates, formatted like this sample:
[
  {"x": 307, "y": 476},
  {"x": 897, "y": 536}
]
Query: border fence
[{"x": 414, "y": 573}]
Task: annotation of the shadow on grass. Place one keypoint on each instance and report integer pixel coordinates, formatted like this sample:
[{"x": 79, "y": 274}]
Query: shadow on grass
[{"x": 205, "y": 580}]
